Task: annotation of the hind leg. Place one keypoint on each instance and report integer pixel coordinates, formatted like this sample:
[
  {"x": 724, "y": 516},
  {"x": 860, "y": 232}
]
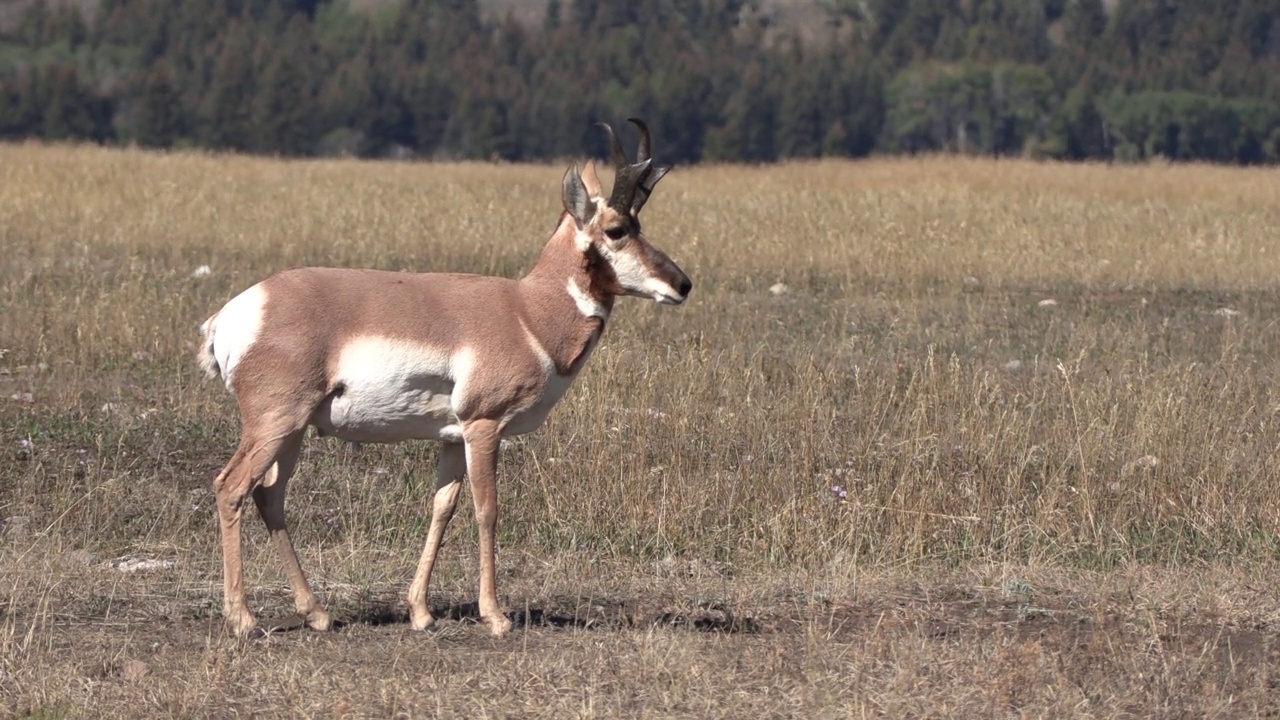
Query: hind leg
[
  {"x": 269, "y": 497},
  {"x": 257, "y": 454},
  {"x": 230, "y": 501}
]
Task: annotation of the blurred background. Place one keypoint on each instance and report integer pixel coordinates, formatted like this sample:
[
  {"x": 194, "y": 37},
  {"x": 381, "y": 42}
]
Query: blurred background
[{"x": 719, "y": 80}]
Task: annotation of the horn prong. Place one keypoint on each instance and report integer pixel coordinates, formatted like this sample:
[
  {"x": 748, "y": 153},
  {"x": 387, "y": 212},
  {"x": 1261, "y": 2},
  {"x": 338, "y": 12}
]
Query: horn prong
[
  {"x": 642, "y": 150},
  {"x": 619, "y": 155}
]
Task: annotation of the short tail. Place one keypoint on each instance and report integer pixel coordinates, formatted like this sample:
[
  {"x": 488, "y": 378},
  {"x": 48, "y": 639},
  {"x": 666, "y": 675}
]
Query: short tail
[{"x": 205, "y": 355}]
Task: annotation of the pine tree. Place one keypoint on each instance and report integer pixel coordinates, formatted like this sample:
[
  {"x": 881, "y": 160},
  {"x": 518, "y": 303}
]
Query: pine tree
[
  {"x": 428, "y": 102},
  {"x": 801, "y": 124},
  {"x": 749, "y": 129},
  {"x": 284, "y": 107},
  {"x": 68, "y": 107},
  {"x": 225, "y": 114},
  {"x": 21, "y": 113},
  {"x": 856, "y": 109},
  {"x": 158, "y": 121},
  {"x": 1083, "y": 23}
]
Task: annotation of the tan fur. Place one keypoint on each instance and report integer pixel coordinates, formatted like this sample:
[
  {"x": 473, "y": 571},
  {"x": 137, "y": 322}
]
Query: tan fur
[{"x": 491, "y": 355}]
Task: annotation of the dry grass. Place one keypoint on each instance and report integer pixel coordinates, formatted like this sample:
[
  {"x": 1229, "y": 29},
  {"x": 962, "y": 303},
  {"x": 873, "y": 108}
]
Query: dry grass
[{"x": 1062, "y": 509}]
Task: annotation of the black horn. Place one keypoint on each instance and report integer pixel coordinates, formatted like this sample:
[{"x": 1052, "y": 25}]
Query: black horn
[
  {"x": 645, "y": 188},
  {"x": 627, "y": 175},
  {"x": 642, "y": 150},
  {"x": 619, "y": 155}
]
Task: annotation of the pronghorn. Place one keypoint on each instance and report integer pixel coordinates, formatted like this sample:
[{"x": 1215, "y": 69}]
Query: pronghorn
[{"x": 376, "y": 356}]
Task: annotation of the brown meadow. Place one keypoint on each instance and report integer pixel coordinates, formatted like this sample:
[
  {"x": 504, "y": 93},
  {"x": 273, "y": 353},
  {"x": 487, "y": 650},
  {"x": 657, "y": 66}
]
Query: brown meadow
[{"x": 931, "y": 437}]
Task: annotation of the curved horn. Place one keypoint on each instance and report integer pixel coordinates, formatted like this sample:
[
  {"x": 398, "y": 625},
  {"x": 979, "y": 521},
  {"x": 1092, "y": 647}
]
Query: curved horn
[
  {"x": 642, "y": 150},
  {"x": 625, "y": 184},
  {"x": 619, "y": 155}
]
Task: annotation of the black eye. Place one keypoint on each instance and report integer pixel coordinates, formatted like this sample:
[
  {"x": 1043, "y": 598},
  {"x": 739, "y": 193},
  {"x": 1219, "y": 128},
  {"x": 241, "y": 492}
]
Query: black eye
[{"x": 616, "y": 233}]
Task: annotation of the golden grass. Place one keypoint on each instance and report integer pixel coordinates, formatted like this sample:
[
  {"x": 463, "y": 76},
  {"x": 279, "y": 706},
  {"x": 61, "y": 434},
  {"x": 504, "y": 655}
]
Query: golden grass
[{"x": 1127, "y": 427}]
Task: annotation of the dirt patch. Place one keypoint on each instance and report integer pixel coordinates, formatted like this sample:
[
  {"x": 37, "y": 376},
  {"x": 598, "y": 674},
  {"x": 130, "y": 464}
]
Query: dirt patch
[{"x": 926, "y": 649}]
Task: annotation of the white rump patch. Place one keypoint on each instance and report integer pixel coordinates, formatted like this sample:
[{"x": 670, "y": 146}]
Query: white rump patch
[
  {"x": 235, "y": 328},
  {"x": 587, "y": 305},
  {"x": 392, "y": 390}
]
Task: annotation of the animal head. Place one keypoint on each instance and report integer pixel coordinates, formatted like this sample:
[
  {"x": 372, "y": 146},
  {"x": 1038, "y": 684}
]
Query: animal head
[{"x": 622, "y": 259}]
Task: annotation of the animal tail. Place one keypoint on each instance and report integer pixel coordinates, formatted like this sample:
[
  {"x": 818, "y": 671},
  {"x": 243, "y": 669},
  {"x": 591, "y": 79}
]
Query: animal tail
[{"x": 205, "y": 355}]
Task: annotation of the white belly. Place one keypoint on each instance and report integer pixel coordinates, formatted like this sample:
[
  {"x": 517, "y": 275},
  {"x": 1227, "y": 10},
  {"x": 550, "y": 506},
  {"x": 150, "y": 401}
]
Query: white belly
[
  {"x": 390, "y": 391},
  {"x": 386, "y": 413}
]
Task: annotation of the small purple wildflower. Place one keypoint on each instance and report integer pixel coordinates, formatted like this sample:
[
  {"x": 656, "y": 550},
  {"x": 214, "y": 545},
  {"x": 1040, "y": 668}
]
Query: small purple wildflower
[
  {"x": 25, "y": 442},
  {"x": 839, "y": 492}
]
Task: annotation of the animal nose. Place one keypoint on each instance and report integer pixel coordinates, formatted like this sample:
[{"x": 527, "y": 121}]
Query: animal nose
[{"x": 685, "y": 286}]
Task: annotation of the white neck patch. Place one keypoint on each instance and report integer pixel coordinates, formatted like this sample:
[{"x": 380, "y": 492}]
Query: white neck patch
[{"x": 587, "y": 305}]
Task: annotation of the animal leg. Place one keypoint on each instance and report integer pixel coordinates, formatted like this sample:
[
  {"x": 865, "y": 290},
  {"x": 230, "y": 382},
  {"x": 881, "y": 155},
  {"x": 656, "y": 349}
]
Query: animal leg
[
  {"x": 450, "y": 469},
  {"x": 269, "y": 497},
  {"x": 250, "y": 464},
  {"x": 482, "y": 446}
]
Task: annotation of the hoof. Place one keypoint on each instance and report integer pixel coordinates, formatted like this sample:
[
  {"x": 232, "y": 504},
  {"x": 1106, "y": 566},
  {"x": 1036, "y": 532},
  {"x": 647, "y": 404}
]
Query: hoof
[
  {"x": 319, "y": 619},
  {"x": 242, "y": 624},
  {"x": 499, "y": 626},
  {"x": 421, "y": 620}
]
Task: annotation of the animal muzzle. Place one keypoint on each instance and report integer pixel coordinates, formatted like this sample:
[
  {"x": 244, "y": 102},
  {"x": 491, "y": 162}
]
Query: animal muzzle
[{"x": 671, "y": 286}]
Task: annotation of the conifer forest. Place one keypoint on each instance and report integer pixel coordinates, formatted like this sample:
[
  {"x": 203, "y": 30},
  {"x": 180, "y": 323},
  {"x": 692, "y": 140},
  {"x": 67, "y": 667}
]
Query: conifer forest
[{"x": 719, "y": 80}]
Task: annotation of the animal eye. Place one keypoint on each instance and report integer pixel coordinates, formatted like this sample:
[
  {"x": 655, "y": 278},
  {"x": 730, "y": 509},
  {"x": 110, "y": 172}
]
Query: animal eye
[{"x": 616, "y": 232}]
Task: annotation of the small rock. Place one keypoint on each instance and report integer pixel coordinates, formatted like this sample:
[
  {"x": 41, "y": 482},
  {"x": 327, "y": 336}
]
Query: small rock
[
  {"x": 1226, "y": 312},
  {"x": 84, "y": 557},
  {"x": 1013, "y": 365},
  {"x": 17, "y": 528},
  {"x": 202, "y": 271},
  {"x": 24, "y": 397},
  {"x": 670, "y": 567},
  {"x": 130, "y": 564},
  {"x": 134, "y": 670},
  {"x": 779, "y": 289},
  {"x": 1047, "y": 302}
]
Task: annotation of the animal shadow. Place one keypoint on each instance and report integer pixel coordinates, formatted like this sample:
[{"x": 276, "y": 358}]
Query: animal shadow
[{"x": 585, "y": 615}]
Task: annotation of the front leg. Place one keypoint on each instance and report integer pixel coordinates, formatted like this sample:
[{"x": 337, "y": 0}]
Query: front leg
[
  {"x": 449, "y": 471},
  {"x": 482, "y": 444}
]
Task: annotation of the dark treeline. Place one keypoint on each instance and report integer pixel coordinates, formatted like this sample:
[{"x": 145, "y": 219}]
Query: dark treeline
[{"x": 718, "y": 79}]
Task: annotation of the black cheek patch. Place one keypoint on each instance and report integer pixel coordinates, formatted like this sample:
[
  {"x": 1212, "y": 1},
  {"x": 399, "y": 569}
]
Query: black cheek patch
[{"x": 603, "y": 280}]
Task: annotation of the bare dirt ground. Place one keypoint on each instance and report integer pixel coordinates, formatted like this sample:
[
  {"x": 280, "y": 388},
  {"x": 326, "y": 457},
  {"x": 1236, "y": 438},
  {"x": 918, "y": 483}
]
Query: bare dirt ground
[{"x": 664, "y": 640}]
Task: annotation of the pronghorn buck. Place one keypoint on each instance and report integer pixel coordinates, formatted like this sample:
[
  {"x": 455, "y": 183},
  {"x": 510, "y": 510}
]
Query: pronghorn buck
[{"x": 375, "y": 356}]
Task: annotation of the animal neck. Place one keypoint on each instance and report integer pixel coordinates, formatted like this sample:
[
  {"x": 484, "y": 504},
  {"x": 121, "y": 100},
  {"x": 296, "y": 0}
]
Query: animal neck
[{"x": 565, "y": 301}]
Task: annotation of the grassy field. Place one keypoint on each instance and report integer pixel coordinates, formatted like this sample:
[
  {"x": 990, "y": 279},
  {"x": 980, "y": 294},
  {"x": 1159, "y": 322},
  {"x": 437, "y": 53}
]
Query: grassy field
[{"x": 932, "y": 438}]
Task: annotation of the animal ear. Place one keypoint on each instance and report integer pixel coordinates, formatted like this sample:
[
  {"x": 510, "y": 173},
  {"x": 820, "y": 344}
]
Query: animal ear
[
  {"x": 591, "y": 180},
  {"x": 576, "y": 199}
]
